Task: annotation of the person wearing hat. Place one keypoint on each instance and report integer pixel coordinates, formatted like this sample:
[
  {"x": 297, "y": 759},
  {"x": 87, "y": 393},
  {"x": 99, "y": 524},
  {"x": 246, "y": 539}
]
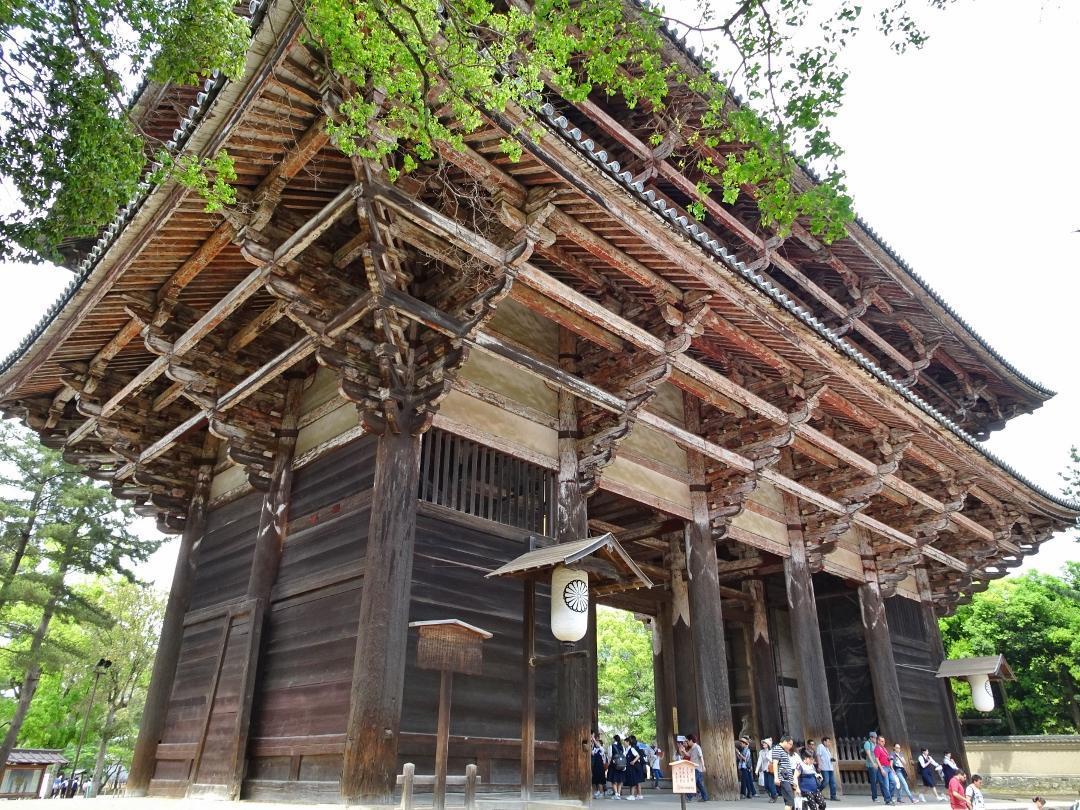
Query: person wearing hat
[
  {"x": 744, "y": 762},
  {"x": 873, "y": 769},
  {"x": 763, "y": 759}
]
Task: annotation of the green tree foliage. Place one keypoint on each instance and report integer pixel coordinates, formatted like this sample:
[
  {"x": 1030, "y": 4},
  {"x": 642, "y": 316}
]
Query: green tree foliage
[
  {"x": 67, "y": 144},
  {"x": 625, "y": 674},
  {"x": 59, "y": 528},
  {"x": 1034, "y": 620},
  {"x": 1072, "y": 480},
  {"x": 58, "y": 710},
  {"x": 417, "y": 73}
]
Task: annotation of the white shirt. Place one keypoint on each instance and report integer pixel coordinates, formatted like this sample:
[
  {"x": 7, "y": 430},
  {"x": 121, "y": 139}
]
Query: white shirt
[
  {"x": 975, "y": 797},
  {"x": 697, "y": 757},
  {"x": 824, "y": 757},
  {"x": 763, "y": 760}
]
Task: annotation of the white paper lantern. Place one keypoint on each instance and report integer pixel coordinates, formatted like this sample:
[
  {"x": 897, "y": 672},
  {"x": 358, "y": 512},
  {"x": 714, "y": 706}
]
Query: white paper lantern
[
  {"x": 982, "y": 697},
  {"x": 569, "y": 604}
]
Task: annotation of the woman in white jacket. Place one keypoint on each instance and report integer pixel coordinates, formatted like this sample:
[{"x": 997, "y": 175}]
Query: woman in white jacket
[{"x": 762, "y": 769}]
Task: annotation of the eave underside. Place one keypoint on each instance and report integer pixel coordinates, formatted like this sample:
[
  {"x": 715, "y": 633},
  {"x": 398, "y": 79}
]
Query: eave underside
[{"x": 210, "y": 299}]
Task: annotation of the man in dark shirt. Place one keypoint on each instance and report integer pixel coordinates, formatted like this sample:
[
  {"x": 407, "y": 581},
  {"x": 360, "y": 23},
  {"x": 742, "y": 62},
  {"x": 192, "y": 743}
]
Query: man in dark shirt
[{"x": 783, "y": 771}]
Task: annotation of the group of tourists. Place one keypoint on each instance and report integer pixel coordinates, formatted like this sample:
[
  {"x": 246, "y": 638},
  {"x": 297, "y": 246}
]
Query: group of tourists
[
  {"x": 886, "y": 770},
  {"x": 65, "y": 788},
  {"x": 791, "y": 770},
  {"x": 786, "y": 770},
  {"x": 619, "y": 770}
]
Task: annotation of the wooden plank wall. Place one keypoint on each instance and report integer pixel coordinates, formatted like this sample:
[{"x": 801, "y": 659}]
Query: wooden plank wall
[
  {"x": 224, "y": 561},
  {"x": 301, "y": 700},
  {"x": 453, "y": 552},
  {"x": 915, "y": 667}
]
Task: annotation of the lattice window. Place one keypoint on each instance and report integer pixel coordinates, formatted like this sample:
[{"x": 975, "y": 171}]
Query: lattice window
[
  {"x": 479, "y": 480},
  {"x": 905, "y": 618}
]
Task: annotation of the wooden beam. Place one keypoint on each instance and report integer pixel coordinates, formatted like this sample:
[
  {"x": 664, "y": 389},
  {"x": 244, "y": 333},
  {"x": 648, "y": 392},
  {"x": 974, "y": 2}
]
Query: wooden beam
[
  {"x": 814, "y": 700},
  {"x": 602, "y": 398},
  {"x": 715, "y": 724},
  {"x": 374, "y": 723},
  {"x": 573, "y": 714},
  {"x": 266, "y": 559},
  {"x": 228, "y": 304},
  {"x": 155, "y": 709},
  {"x": 879, "y": 652}
]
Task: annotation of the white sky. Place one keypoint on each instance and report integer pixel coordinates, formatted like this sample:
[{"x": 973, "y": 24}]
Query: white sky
[{"x": 963, "y": 156}]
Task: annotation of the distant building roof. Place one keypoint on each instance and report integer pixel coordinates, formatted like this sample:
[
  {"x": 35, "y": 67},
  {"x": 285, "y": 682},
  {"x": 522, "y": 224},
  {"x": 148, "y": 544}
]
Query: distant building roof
[{"x": 36, "y": 756}]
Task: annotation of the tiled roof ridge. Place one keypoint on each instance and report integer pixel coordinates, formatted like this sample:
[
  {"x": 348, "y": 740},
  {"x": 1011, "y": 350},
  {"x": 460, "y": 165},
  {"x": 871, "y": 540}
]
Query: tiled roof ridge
[
  {"x": 213, "y": 86},
  {"x": 670, "y": 214},
  {"x": 195, "y": 113},
  {"x": 671, "y": 30}
]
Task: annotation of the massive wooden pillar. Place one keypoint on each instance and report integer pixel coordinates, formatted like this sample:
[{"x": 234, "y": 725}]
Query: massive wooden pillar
[
  {"x": 715, "y": 728},
  {"x": 762, "y": 663},
  {"x": 266, "y": 559},
  {"x": 661, "y": 696},
  {"x": 954, "y": 735},
  {"x": 806, "y": 633},
  {"x": 879, "y": 652},
  {"x": 683, "y": 665},
  {"x": 156, "y": 707},
  {"x": 669, "y": 701},
  {"x": 371, "y": 744},
  {"x": 573, "y": 714}
]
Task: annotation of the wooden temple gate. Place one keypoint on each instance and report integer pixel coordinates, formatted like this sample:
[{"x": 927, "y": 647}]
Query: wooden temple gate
[{"x": 354, "y": 398}]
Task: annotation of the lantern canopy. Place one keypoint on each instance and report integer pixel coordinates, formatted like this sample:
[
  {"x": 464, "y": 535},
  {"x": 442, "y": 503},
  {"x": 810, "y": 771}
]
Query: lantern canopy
[
  {"x": 978, "y": 672},
  {"x": 580, "y": 570}
]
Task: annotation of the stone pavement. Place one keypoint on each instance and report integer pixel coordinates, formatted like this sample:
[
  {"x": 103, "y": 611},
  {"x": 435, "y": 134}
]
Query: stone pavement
[{"x": 652, "y": 801}]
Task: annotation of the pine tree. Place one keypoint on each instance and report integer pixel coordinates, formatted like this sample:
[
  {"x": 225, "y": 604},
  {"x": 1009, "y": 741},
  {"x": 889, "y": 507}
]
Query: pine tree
[{"x": 62, "y": 525}]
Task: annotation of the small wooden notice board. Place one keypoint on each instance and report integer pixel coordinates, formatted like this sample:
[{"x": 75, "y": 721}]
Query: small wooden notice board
[{"x": 683, "y": 777}]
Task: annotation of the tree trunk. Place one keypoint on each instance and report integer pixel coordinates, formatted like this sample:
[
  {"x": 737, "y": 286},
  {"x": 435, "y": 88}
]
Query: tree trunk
[
  {"x": 99, "y": 763},
  {"x": 33, "y": 671},
  {"x": 20, "y": 547}
]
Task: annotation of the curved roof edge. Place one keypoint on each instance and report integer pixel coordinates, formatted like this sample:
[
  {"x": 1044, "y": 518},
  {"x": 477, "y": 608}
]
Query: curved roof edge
[
  {"x": 672, "y": 32},
  {"x": 82, "y": 269},
  {"x": 213, "y": 86},
  {"x": 670, "y": 214}
]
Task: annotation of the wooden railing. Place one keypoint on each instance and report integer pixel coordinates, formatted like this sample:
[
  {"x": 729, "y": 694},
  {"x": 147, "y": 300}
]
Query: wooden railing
[{"x": 850, "y": 762}]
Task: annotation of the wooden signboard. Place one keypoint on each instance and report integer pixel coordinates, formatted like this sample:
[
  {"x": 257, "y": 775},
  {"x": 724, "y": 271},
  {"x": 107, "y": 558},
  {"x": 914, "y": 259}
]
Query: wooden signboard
[{"x": 683, "y": 777}]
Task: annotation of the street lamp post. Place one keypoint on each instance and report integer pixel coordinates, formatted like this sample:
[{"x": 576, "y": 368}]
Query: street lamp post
[{"x": 100, "y": 669}]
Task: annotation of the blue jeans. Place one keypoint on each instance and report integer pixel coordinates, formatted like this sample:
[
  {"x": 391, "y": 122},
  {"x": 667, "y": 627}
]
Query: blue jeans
[
  {"x": 699, "y": 778},
  {"x": 829, "y": 778},
  {"x": 879, "y": 780},
  {"x": 903, "y": 786},
  {"x": 770, "y": 785},
  {"x": 746, "y": 783}
]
